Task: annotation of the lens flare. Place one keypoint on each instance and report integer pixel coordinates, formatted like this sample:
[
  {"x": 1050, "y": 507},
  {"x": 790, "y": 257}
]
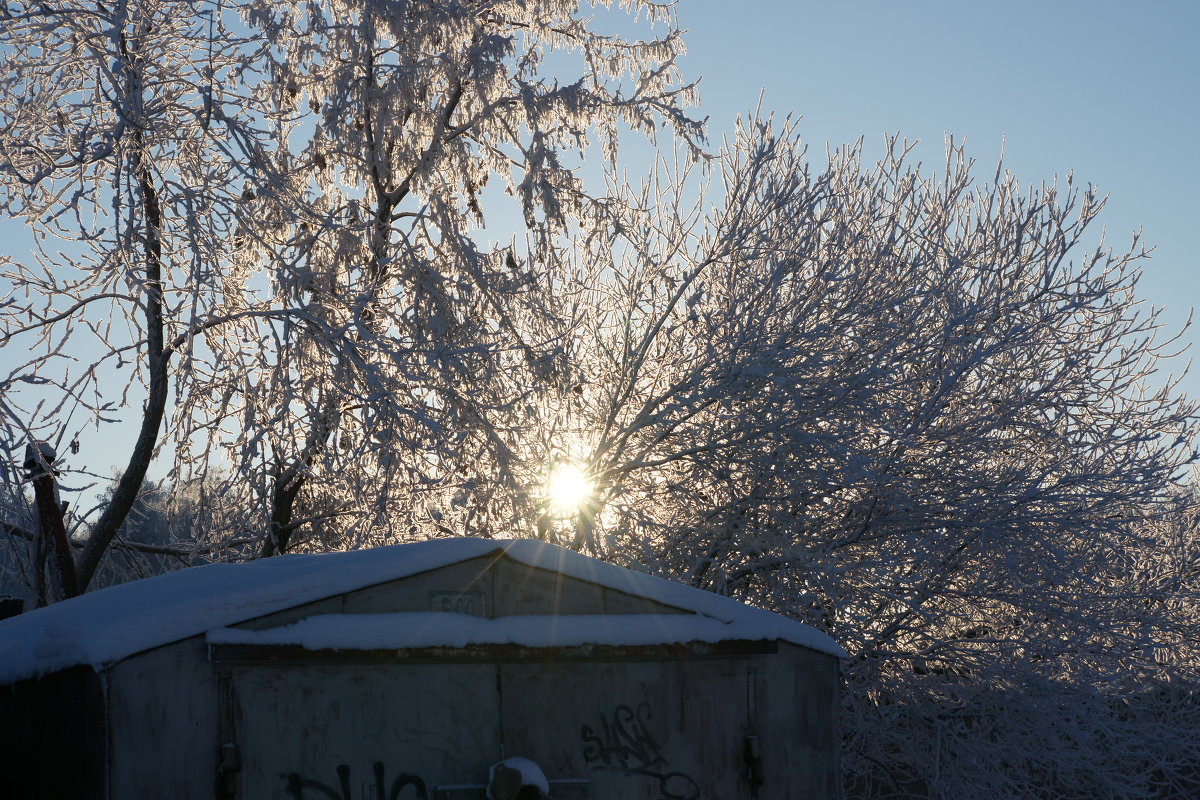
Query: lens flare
[{"x": 568, "y": 488}]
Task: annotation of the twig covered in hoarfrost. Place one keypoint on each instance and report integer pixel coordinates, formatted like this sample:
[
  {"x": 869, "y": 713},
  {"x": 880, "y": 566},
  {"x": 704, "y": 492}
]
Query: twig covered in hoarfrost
[
  {"x": 914, "y": 411},
  {"x": 276, "y": 210}
]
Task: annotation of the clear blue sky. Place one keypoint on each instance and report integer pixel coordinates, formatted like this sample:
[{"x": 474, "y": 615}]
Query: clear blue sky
[{"x": 1109, "y": 90}]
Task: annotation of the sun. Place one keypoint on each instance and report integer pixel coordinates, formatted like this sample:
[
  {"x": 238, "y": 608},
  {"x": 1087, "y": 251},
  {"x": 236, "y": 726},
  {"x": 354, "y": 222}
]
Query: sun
[{"x": 568, "y": 488}]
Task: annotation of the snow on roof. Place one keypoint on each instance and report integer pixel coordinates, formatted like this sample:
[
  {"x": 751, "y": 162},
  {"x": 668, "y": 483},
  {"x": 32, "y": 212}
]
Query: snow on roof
[{"x": 101, "y": 628}]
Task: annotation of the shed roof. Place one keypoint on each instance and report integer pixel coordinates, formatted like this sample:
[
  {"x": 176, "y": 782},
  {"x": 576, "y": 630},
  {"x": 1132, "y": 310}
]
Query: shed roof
[{"x": 101, "y": 628}]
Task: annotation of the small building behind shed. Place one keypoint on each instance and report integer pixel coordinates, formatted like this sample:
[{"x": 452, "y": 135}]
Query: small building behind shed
[{"x": 416, "y": 671}]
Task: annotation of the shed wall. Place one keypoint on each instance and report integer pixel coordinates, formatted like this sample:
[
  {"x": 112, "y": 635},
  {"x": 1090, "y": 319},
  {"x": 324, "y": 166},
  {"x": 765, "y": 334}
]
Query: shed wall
[
  {"x": 162, "y": 708},
  {"x": 799, "y": 701},
  {"x": 315, "y": 730},
  {"x": 638, "y": 728},
  {"x": 505, "y": 587}
]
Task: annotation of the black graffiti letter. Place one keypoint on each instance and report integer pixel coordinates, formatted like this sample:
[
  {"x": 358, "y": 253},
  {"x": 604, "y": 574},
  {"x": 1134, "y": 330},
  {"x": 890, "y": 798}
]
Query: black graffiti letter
[
  {"x": 408, "y": 780},
  {"x": 628, "y": 742},
  {"x": 296, "y": 786}
]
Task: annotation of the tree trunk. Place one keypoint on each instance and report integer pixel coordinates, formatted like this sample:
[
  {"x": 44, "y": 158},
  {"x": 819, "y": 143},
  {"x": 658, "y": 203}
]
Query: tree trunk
[
  {"x": 131, "y": 481},
  {"x": 54, "y": 535}
]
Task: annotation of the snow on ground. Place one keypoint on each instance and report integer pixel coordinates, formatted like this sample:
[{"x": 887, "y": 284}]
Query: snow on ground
[{"x": 103, "y": 627}]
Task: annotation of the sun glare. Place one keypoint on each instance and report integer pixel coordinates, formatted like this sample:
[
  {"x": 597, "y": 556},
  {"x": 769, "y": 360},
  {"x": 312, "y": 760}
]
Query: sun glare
[{"x": 568, "y": 488}]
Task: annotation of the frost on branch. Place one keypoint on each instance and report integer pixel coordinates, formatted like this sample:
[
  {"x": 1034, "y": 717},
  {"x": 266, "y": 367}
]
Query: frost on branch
[
  {"x": 274, "y": 221},
  {"x": 917, "y": 411}
]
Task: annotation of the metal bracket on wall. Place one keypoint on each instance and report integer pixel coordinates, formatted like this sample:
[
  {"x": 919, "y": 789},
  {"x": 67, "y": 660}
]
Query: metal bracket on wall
[
  {"x": 229, "y": 758},
  {"x": 754, "y": 762}
]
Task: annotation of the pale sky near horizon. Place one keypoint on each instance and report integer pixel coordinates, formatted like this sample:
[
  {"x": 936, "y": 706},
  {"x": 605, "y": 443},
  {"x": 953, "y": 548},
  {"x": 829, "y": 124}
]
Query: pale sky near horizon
[{"x": 1109, "y": 90}]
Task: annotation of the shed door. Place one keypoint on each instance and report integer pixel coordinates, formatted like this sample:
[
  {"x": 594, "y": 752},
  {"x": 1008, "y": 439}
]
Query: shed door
[
  {"x": 361, "y": 732},
  {"x": 642, "y": 726},
  {"x": 637, "y": 730}
]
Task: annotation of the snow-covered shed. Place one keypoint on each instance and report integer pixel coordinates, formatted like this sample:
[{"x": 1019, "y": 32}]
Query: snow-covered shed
[{"x": 416, "y": 671}]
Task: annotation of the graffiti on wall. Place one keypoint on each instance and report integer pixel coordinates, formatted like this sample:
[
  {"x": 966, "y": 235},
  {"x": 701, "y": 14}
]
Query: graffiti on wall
[
  {"x": 300, "y": 788},
  {"x": 623, "y": 741}
]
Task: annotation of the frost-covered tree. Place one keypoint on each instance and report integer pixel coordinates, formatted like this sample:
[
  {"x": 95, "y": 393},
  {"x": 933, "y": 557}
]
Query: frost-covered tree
[
  {"x": 914, "y": 410},
  {"x": 399, "y": 115},
  {"x": 273, "y": 222},
  {"x": 127, "y": 133}
]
